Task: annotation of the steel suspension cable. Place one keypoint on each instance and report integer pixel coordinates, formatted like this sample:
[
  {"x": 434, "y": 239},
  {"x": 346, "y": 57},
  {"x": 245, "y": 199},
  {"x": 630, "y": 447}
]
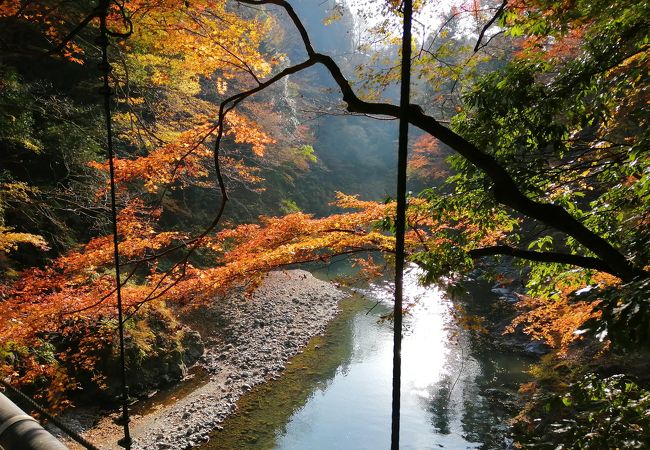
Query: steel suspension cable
[
  {"x": 400, "y": 219},
  {"x": 105, "y": 68}
]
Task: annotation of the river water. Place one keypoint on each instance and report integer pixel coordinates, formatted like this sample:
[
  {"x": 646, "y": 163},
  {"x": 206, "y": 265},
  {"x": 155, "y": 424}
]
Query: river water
[{"x": 337, "y": 394}]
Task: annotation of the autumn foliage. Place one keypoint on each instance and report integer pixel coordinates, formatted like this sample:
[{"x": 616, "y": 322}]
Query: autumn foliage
[
  {"x": 58, "y": 318},
  {"x": 76, "y": 291},
  {"x": 427, "y": 160},
  {"x": 184, "y": 58}
]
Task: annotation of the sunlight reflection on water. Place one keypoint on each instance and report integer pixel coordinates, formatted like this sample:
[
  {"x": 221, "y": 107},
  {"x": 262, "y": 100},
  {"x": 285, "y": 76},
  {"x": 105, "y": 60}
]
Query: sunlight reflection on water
[{"x": 353, "y": 411}]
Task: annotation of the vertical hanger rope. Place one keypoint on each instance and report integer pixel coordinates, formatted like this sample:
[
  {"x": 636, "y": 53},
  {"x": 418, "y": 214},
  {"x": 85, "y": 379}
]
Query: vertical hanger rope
[
  {"x": 107, "y": 92},
  {"x": 400, "y": 220}
]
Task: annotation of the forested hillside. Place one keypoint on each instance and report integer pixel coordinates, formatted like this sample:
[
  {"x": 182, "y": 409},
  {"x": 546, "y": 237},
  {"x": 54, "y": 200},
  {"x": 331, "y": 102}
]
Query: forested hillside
[{"x": 254, "y": 135}]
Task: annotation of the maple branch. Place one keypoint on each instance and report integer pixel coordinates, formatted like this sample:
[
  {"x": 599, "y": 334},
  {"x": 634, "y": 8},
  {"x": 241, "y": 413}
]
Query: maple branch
[
  {"x": 226, "y": 106},
  {"x": 103, "y": 6},
  {"x": 420, "y": 237},
  {"x": 102, "y": 299},
  {"x": 504, "y": 187},
  {"x": 66, "y": 40},
  {"x": 178, "y": 163},
  {"x": 224, "y": 109},
  {"x": 587, "y": 262}
]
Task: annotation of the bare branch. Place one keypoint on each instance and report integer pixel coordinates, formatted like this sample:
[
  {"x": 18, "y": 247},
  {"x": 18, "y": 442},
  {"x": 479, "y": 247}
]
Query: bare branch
[{"x": 489, "y": 23}]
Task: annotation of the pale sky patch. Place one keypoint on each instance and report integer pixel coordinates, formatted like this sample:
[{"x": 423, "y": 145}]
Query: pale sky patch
[{"x": 428, "y": 21}]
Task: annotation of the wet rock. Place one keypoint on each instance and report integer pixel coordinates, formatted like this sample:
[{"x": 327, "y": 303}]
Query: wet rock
[
  {"x": 505, "y": 293},
  {"x": 193, "y": 347},
  {"x": 537, "y": 348}
]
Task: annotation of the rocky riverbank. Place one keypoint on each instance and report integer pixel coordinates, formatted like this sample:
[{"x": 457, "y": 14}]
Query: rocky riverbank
[{"x": 248, "y": 341}]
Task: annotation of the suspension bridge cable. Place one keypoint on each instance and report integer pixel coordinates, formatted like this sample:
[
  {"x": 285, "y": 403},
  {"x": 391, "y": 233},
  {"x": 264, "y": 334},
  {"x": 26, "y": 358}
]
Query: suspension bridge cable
[
  {"x": 400, "y": 219},
  {"x": 105, "y": 68}
]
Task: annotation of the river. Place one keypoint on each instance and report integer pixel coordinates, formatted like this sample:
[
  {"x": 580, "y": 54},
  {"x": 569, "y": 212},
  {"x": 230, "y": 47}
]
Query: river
[{"x": 337, "y": 393}]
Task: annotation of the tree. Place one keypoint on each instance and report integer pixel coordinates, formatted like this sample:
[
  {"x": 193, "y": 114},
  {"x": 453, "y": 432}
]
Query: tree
[
  {"x": 161, "y": 143},
  {"x": 541, "y": 135},
  {"x": 540, "y": 141},
  {"x": 504, "y": 186}
]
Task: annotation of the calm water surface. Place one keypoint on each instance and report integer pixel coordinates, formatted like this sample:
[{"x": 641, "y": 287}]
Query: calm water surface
[{"x": 337, "y": 395}]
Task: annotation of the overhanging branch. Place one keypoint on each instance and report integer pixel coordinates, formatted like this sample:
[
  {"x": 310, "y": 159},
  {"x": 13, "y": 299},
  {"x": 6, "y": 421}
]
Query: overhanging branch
[
  {"x": 587, "y": 262},
  {"x": 504, "y": 188}
]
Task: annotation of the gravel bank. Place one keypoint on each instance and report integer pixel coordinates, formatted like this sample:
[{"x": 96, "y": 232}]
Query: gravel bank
[{"x": 248, "y": 341}]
